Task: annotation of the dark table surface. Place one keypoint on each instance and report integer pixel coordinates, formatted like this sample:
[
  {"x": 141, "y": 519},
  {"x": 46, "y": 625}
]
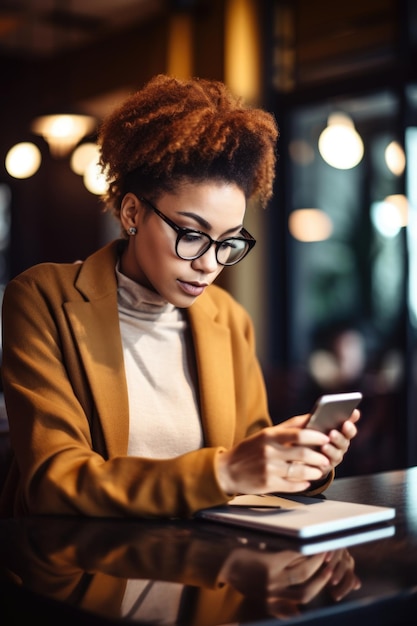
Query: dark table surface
[{"x": 98, "y": 572}]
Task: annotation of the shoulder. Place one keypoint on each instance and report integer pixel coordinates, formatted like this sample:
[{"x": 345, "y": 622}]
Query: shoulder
[
  {"x": 42, "y": 278},
  {"x": 41, "y": 270},
  {"x": 63, "y": 277}
]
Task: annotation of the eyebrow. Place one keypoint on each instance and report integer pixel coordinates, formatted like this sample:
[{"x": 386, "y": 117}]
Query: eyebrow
[{"x": 205, "y": 224}]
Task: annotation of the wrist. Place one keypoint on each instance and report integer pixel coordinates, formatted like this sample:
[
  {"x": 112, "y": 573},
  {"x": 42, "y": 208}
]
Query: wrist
[{"x": 223, "y": 474}]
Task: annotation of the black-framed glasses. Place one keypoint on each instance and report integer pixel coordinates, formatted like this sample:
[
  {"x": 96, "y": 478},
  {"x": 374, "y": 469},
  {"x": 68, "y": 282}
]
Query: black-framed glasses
[{"x": 191, "y": 244}]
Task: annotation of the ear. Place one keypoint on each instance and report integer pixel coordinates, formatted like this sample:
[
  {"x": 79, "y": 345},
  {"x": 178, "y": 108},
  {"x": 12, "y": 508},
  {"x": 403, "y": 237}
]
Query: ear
[{"x": 129, "y": 211}]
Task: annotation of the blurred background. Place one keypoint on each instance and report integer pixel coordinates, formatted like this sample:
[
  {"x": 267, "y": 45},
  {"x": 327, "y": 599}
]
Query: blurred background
[{"x": 332, "y": 283}]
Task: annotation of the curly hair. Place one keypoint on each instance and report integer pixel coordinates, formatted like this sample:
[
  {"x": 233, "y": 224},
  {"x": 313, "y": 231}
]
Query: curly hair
[{"x": 172, "y": 131}]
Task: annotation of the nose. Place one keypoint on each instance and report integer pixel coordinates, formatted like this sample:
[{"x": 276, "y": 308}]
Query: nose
[{"x": 207, "y": 262}]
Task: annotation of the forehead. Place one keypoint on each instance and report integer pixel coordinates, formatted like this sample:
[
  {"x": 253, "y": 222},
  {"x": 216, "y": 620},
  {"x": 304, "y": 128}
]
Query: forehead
[{"x": 215, "y": 202}]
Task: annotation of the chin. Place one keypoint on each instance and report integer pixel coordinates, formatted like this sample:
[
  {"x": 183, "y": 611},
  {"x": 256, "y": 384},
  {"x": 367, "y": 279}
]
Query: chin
[
  {"x": 184, "y": 304},
  {"x": 182, "y": 301}
]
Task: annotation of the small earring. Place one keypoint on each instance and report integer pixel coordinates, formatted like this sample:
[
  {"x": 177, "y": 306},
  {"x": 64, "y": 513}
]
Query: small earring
[{"x": 132, "y": 230}]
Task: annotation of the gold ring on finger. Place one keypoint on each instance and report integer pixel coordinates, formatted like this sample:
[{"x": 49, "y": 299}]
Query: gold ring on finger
[{"x": 290, "y": 467}]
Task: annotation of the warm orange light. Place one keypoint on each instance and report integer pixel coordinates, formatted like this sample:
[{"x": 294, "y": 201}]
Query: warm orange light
[
  {"x": 340, "y": 145},
  {"x": 310, "y": 225},
  {"x": 23, "y": 160},
  {"x": 242, "y": 49},
  {"x": 95, "y": 180},
  {"x": 63, "y": 132},
  {"x": 82, "y": 156},
  {"x": 400, "y": 202},
  {"x": 395, "y": 158},
  {"x": 180, "y": 46}
]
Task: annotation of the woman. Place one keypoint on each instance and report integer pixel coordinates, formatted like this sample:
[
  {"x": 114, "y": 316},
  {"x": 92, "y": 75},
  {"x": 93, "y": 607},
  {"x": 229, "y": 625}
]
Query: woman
[{"x": 131, "y": 382}]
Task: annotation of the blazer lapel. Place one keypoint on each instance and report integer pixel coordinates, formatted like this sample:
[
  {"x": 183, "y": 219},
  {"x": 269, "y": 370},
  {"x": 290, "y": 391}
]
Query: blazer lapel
[
  {"x": 95, "y": 326},
  {"x": 215, "y": 373}
]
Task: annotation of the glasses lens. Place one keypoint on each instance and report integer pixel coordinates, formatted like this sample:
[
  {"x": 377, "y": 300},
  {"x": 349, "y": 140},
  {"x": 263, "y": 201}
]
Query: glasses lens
[
  {"x": 231, "y": 251},
  {"x": 192, "y": 244}
]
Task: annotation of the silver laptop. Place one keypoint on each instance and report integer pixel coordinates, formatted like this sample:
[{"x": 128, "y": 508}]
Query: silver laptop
[{"x": 297, "y": 516}]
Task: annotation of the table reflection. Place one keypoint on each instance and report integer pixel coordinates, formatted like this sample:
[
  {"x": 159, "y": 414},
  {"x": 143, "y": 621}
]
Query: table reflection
[{"x": 171, "y": 573}]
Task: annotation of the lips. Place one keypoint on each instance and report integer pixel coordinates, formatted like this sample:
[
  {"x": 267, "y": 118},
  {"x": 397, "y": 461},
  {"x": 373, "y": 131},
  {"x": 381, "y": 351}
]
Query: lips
[{"x": 192, "y": 289}]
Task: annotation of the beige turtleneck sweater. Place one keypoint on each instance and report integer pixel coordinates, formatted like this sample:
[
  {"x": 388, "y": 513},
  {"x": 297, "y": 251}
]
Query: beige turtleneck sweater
[{"x": 160, "y": 372}]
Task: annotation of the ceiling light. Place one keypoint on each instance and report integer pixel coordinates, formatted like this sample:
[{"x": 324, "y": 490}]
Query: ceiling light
[
  {"x": 82, "y": 156},
  {"x": 63, "y": 131},
  {"x": 23, "y": 160},
  {"x": 95, "y": 180},
  {"x": 340, "y": 145}
]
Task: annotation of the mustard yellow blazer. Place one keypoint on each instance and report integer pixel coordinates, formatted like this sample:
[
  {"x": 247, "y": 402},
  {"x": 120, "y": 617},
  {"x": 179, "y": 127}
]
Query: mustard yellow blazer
[{"x": 66, "y": 397}]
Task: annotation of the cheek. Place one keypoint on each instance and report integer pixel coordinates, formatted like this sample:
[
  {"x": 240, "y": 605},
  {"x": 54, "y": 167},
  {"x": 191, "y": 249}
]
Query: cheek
[
  {"x": 154, "y": 244},
  {"x": 148, "y": 248},
  {"x": 158, "y": 261},
  {"x": 219, "y": 271}
]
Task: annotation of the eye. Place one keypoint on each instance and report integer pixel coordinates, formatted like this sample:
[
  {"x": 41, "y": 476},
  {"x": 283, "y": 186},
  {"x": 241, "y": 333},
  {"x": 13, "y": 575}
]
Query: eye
[
  {"x": 193, "y": 236},
  {"x": 232, "y": 244}
]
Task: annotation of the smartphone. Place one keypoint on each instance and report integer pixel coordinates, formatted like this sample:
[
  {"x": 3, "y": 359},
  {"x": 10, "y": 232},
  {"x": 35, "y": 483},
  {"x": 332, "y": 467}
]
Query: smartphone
[{"x": 331, "y": 410}]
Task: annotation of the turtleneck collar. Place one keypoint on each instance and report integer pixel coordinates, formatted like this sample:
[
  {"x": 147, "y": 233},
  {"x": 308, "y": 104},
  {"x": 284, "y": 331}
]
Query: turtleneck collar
[{"x": 135, "y": 296}]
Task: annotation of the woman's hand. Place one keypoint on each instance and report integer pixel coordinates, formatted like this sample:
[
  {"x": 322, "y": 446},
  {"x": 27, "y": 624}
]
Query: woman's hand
[
  {"x": 284, "y": 458},
  {"x": 339, "y": 440}
]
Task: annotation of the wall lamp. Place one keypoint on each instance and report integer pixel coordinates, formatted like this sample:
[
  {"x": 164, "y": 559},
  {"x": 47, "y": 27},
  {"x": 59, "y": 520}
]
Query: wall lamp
[{"x": 63, "y": 132}]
